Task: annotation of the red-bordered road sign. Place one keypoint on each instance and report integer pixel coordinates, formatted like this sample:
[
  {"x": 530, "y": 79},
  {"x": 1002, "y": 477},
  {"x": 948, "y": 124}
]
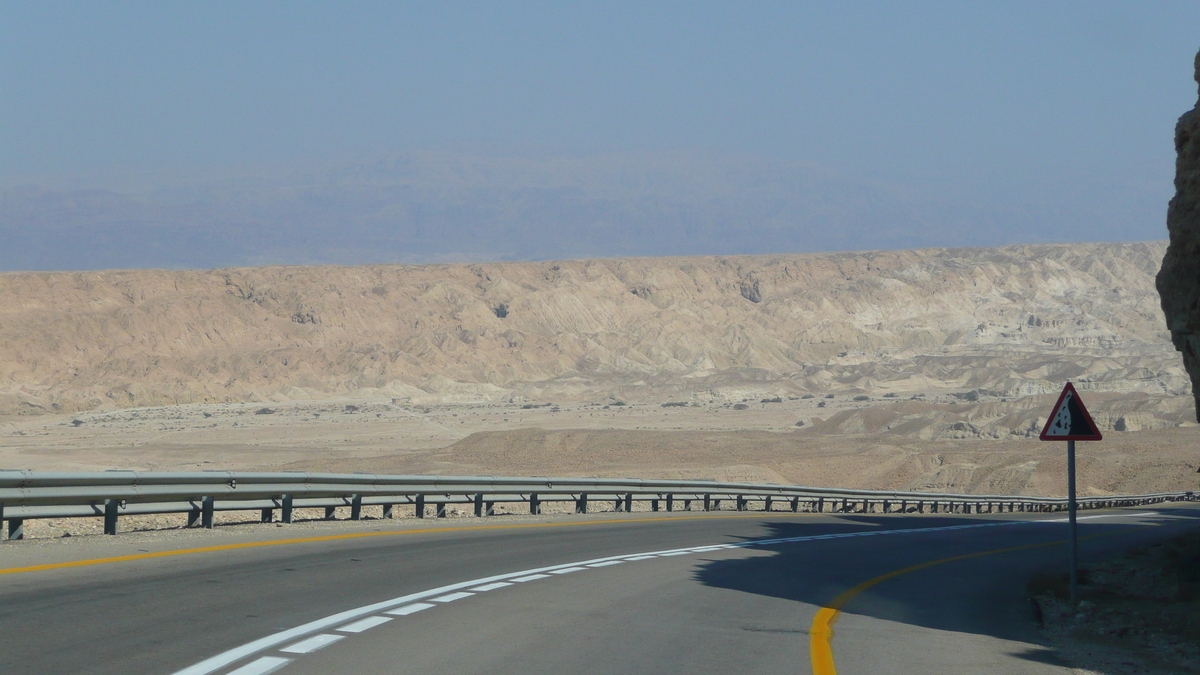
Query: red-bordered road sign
[{"x": 1070, "y": 421}]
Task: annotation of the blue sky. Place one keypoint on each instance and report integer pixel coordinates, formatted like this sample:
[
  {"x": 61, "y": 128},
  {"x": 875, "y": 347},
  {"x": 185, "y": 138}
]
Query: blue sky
[{"x": 1009, "y": 102}]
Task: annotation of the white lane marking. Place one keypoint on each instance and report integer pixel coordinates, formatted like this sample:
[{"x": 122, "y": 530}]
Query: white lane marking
[
  {"x": 267, "y": 664},
  {"x": 664, "y": 555},
  {"x": 606, "y": 564},
  {"x": 531, "y": 577},
  {"x": 227, "y": 657},
  {"x": 312, "y": 644},
  {"x": 452, "y": 597},
  {"x": 364, "y": 624},
  {"x": 567, "y": 570},
  {"x": 491, "y": 587},
  {"x": 409, "y": 609}
]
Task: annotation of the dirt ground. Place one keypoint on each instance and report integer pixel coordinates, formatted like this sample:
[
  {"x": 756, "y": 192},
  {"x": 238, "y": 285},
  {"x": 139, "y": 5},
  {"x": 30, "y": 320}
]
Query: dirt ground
[
  {"x": 1138, "y": 614},
  {"x": 761, "y": 443}
]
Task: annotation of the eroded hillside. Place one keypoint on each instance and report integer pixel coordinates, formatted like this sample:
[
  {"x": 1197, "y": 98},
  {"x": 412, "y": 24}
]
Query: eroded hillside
[{"x": 1003, "y": 322}]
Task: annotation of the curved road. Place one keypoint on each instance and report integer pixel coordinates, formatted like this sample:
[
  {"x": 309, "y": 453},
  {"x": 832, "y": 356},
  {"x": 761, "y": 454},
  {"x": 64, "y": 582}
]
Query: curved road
[{"x": 721, "y": 592}]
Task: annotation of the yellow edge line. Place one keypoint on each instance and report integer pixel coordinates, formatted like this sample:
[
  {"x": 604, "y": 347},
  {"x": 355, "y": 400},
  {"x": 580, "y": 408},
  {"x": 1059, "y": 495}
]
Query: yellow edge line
[
  {"x": 356, "y": 535},
  {"x": 820, "y": 634}
]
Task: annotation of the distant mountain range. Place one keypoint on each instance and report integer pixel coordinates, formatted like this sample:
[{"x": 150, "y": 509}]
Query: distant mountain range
[{"x": 424, "y": 207}]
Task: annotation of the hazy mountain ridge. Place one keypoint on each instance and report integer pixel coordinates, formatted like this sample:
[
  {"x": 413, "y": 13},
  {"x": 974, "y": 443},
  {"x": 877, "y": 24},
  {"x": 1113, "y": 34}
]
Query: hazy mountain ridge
[
  {"x": 1010, "y": 321},
  {"x": 439, "y": 206}
]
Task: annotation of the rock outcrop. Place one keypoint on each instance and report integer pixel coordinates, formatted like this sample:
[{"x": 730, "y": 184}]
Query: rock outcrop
[
  {"x": 1011, "y": 321},
  {"x": 1179, "y": 279}
]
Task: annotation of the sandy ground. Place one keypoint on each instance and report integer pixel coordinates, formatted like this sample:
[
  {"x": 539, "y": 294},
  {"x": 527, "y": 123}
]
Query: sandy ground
[{"x": 716, "y": 441}]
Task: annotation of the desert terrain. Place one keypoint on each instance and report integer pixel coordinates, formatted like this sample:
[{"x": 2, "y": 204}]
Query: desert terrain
[{"x": 923, "y": 370}]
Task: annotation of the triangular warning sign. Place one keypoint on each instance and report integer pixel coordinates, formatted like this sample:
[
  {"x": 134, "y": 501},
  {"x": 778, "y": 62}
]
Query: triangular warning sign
[{"x": 1070, "y": 420}]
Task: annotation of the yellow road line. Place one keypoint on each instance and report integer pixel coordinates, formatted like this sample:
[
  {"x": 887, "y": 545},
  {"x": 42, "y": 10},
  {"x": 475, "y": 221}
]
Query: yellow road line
[
  {"x": 820, "y": 634},
  {"x": 356, "y": 535}
]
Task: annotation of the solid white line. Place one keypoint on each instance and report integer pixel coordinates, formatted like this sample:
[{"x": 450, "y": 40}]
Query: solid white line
[
  {"x": 364, "y": 624},
  {"x": 606, "y": 564},
  {"x": 312, "y": 644},
  {"x": 567, "y": 570},
  {"x": 531, "y": 577},
  {"x": 409, "y": 609},
  {"x": 214, "y": 663},
  {"x": 665, "y": 555},
  {"x": 267, "y": 664},
  {"x": 491, "y": 587},
  {"x": 451, "y": 597}
]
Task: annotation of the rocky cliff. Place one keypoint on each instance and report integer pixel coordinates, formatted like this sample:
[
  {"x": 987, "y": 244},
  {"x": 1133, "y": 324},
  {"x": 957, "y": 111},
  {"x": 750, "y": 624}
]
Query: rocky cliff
[
  {"x": 1179, "y": 279},
  {"x": 1009, "y": 321}
]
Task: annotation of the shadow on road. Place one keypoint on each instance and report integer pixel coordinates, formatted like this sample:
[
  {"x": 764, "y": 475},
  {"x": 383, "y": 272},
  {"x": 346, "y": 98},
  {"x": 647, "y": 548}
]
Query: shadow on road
[{"x": 982, "y": 595}]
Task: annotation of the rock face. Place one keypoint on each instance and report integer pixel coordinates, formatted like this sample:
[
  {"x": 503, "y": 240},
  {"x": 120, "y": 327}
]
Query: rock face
[
  {"x": 1008, "y": 322},
  {"x": 1179, "y": 279}
]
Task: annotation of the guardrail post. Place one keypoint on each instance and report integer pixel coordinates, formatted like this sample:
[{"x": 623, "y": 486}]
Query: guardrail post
[
  {"x": 670, "y": 502},
  {"x": 1, "y": 521},
  {"x": 388, "y": 511},
  {"x": 920, "y": 507},
  {"x": 795, "y": 504},
  {"x": 420, "y": 508},
  {"x": 110, "y": 516},
  {"x": 478, "y": 504},
  {"x": 654, "y": 505},
  {"x": 581, "y": 503},
  {"x": 887, "y": 506},
  {"x": 820, "y": 505},
  {"x": 16, "y": 528},
  {"x": 687, "y": 505},
  {"x": 867, "y": 506},
  {"x": 207, "y": 508},
  {"x": 286, "y": 510},
  {"x": 356, "y": 507},
  {"x": 741, "y": 503},
  {"x": 441, "y": 509},
  {"x": 767, "y": 503},
  {"x": 490, "y": 508},
  {"x": 716, "y": 504},
  {"x": 629, "y": 502},
  {"x": 933, "y": 506},
  {"x": 707, "y": 502},
  {"x": 535, "y": 504},
  {"x": 266, "y": 516},
  {"x": 619, "y": 504},
  {"x": 330, "y": 513}
]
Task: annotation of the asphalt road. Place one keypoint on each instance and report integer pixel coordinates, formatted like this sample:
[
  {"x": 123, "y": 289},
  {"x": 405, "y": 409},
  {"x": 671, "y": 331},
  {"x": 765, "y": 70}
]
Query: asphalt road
[{"x": 746, "y": 607}]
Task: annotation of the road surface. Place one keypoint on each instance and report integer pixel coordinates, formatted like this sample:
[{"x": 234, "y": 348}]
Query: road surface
[{"x": 716, "y": 593}]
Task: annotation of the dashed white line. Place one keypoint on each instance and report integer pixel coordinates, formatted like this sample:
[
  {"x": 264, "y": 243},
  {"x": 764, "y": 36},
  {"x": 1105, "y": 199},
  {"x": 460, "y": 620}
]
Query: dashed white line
[
  {"x": 531, "y": 577},
  {"x": 407, "y": 604},
  {"x": 267, "y": 664},
  {"x": 409, "y": 609},
  {"x": 567, "y": 570},
  {"x": 665, "y": 555},
  {"x": 364, "y": 624},
  {"x": 490, "y": 587},
  {"x": 312, "y": 644}
]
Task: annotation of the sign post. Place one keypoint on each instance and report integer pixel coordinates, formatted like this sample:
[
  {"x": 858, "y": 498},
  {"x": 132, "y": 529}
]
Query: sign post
[{"x": 1070, "y": 422}]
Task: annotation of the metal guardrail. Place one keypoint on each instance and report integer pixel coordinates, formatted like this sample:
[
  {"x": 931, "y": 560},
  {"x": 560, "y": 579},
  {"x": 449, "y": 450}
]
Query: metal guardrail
[{"x": 26, "y": 495}]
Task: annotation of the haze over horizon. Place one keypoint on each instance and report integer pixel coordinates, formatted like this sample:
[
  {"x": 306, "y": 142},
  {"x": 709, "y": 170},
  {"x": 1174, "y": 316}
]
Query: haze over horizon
[{"x": 198, "y": 136}]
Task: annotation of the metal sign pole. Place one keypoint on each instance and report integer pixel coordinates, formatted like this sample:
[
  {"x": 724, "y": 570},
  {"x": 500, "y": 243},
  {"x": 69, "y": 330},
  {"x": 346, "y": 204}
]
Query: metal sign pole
[{"x": 1074, "y": 555}]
